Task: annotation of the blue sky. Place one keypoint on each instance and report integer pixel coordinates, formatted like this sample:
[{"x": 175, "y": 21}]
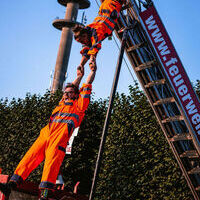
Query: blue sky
[{"x": 29, "y": 45}]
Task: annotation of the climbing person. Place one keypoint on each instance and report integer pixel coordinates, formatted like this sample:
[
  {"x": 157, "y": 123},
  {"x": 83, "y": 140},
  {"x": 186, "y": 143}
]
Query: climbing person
[
  {"x": 93, "y": 34},
  {"x": 52, "y": 141}
]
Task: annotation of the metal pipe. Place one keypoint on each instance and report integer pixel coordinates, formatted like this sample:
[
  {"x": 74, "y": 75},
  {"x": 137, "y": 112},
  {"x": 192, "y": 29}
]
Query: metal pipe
[
  {"x": 64, "y": 48},
  {"x": 108, "y": 115}
]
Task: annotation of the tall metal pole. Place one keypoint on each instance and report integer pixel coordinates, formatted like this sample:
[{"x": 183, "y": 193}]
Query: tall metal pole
[
  {"x": 64, "y": 48},
  {"x": 65, "y": 25},
  {"x": 108, "y": 115}
]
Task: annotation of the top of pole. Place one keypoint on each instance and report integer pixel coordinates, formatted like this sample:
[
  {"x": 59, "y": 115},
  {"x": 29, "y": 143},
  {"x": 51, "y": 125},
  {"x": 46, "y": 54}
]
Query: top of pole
[{"x": 83, "y": 4}]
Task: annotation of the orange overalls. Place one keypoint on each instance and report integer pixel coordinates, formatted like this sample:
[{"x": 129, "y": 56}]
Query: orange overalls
[
  {"x": 102, "y": 26},
  {"x": 52, "y": 141}
]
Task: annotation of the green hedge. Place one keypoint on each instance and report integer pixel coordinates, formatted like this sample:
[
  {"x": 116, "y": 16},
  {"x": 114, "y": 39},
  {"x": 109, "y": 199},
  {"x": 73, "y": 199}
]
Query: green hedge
[{"x": 137, "y": 162}]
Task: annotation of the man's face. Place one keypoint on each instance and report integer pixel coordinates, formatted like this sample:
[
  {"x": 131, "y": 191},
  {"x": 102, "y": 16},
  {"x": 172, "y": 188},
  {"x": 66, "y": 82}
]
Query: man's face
[
  {"x": 69, "y": 94},
  {"x": 83, "y": 39}
]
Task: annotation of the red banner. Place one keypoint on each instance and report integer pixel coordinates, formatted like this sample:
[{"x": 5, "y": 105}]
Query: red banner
[{"x": 173, "y": 67}]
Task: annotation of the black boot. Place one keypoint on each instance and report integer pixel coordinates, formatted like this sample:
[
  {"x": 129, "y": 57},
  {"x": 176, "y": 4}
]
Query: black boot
[{"x": 5, "y": 188}]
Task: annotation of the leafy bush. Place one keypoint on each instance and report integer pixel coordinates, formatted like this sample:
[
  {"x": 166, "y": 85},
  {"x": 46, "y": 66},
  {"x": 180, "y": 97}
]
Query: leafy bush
[{"x": 137, "y": 162}]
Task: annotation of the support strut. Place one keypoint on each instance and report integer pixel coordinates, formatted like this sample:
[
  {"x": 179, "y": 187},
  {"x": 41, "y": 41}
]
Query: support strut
[{"x": 108, "y": 115}]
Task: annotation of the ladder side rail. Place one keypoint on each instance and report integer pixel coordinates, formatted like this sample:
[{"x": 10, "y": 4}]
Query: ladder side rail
[
  {"x": 170, "y": 145},
  {"x": 179, "y": 109},
  {"x": 168, "y": 114},
  {"x": 172, "y": 107},
  {"x": 178, "y": 96},
  {"x": 186, "y": 121},
  {"x": 165, "y": 109},
  {"x": 197, "y": 176},
  {"x": 144, "y": 88},
  {"x": 175, "y": 95}
]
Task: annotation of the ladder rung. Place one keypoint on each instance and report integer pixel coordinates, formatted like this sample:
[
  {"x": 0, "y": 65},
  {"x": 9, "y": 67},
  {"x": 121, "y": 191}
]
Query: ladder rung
[
  {"x": 174, "y": 118},
  {"x": 182, "y": 136},
  {"x": 136, "y": 46},
  {"x": 145, "y": 65},
  {"x": 195, "y": 170},
  {"x": 163, "y": 101},
  {"x": 157, "y": 82},
  {"x": 190, "y": 154}
]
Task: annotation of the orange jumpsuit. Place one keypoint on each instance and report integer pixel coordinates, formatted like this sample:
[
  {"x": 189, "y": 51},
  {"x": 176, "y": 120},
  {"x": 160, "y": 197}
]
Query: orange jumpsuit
[
  {"x": 52, "y": 141},
  {"x": 102, "y": 26}
]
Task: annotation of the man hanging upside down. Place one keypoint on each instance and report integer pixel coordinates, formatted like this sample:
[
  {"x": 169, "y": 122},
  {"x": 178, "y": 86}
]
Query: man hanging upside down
[
  {"x": 93, "y": 34},
  {"x": 52, "y": 141}
]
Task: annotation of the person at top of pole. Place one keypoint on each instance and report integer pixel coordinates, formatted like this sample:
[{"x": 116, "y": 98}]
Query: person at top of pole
[{"x": 93, "y": 34}]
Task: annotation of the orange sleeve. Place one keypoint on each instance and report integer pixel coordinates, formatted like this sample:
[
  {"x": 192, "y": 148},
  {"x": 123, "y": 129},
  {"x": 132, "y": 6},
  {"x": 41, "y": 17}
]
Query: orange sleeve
[
  {"x": 94, "y": 49},
  {"x": 84, "y": 97},
  {"x": 96, "y": 46},
  {"x": 84, "y": 51}
]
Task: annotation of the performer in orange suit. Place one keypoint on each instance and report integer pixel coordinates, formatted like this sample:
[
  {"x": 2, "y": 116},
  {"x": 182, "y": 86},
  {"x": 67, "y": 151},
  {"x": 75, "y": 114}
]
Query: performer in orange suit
[
  {"x": 52, "y": 141},
  {"x": 93, "y": 34}
]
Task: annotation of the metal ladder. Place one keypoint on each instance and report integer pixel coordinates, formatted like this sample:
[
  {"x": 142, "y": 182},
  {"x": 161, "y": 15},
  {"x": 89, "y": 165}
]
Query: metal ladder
[{"x": 159, "y": 90}]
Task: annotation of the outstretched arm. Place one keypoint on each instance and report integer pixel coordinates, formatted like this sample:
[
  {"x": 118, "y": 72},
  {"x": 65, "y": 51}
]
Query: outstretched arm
[
  {"x": 84, "y": 59},
  {"x": 85, "y": 91},
  {"x": 80, "y": 74},
  {"x": 92, "y": 74}
]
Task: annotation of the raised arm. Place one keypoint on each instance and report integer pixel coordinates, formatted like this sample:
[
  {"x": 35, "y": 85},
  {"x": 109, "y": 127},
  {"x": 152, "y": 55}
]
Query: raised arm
[
  {"x": 84, "y": 59},
  {"x": 85, "y": 91},
  {"x": 92, "y": 74},
  {"x": 80, "y": 74}
]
